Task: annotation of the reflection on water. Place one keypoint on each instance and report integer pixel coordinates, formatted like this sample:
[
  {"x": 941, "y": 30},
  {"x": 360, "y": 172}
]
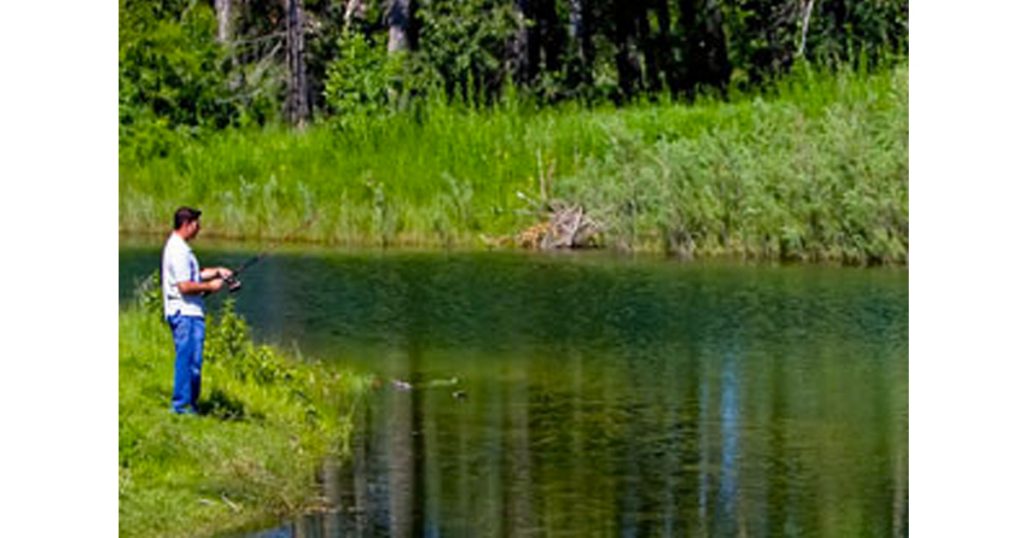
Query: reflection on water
[{"x": 602, "y": 397}]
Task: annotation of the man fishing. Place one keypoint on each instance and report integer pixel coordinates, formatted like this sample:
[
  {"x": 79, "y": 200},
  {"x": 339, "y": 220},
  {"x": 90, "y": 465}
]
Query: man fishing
[{"x": 184, "y": 285}]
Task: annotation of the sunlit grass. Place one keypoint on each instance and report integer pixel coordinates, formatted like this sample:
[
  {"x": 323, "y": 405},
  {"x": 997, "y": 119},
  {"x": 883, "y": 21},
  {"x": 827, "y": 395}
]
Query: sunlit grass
[
  {"x": 254, "y": 455},
  {"x": 816, "y": 169}
]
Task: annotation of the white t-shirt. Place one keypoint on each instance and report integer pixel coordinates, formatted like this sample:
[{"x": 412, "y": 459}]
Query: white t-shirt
[{"x": 180, "y": 265}]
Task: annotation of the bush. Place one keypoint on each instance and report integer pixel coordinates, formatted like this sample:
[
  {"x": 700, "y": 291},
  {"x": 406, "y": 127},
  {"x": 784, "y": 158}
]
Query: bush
[
  {"x": 362, "y": 81},
  {"x": 173, "y": 77}
]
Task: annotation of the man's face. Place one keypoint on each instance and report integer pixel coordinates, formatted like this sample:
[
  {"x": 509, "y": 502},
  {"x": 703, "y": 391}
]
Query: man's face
[{"x": 192, "y": 229}]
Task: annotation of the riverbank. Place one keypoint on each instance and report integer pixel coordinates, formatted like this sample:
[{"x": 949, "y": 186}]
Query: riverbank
[
  {"x": 815, "y": 170},
  {"x": 269, "y": 422}
]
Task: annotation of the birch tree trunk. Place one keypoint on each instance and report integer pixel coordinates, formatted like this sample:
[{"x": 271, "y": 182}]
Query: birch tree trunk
[
  {"x": 297, "y": 102},
  {"x": 803, "y": 28},
  {"x": 223, "y": 9}
]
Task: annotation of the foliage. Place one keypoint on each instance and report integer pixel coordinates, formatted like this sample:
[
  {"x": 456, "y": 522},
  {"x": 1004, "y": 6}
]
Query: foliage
[
  {"x": 149, "y": 294},
  {"x": 178, "y": 82},
  {"x": 766, "y": 34},
  {"x": 171, "y": 75},
  {"x": 230, "y": 343},
  {"x": 463, "y": 47},
  {"x": 361, "y": 81}
]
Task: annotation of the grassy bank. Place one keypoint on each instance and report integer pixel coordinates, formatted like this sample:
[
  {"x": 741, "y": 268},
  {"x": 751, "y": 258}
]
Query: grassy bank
[
  {"x": 269, "y": 423},
  {"x": 817, "y": 169}
]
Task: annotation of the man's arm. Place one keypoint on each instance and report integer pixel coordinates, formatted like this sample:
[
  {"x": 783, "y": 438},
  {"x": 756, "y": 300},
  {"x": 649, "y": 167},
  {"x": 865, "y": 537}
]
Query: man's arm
[
  {"x": 212, "y": 281},
  {"x": 188, "y": 287},
  {"x": 211, "y": 273}
]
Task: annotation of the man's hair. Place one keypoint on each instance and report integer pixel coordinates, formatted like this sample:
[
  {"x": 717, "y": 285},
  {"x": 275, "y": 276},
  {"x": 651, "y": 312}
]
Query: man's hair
[{"x": 185, "y": 215}]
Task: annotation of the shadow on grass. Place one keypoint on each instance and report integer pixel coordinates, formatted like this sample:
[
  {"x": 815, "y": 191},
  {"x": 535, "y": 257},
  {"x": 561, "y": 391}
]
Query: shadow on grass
[{"x": 222, "y": 406}]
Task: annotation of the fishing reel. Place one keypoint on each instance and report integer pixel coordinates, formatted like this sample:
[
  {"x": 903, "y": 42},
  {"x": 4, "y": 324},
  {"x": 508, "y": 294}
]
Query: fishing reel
[{"x": 233, "y": 284}]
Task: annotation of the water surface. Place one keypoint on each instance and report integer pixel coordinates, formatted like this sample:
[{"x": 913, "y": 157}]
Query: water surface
[{"x": 597, "y": 396}]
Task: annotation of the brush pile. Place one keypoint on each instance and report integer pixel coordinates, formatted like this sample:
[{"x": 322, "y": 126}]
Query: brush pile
[{"x": 567, "y": 226}]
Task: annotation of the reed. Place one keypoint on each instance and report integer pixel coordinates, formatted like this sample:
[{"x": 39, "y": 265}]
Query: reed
[{"x": 814, "y": 169}]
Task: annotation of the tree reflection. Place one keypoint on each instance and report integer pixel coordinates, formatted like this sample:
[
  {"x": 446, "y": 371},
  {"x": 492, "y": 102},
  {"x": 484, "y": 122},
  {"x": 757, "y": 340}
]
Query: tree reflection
[{"x": 623, "y": 402}]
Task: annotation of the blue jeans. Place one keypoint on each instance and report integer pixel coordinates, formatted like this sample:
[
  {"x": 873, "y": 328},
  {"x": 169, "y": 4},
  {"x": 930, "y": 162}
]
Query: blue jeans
[{"x": 189, "y": 333}]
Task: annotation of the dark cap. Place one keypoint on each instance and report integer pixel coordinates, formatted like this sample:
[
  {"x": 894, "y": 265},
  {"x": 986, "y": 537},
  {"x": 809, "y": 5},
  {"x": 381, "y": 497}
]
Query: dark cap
[{"x": 185, "y": 215}]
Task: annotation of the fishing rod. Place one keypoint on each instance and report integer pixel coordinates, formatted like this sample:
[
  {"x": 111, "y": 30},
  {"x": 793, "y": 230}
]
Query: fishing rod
[{"x": 232, "y": 281}]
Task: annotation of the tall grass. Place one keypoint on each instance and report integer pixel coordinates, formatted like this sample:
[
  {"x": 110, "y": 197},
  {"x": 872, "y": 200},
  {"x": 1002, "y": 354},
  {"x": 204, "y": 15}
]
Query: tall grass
[
  {"x": 269, "y": 423},
  {"x": 819, "y": 173},
  {"x": 815, "y": 169}
]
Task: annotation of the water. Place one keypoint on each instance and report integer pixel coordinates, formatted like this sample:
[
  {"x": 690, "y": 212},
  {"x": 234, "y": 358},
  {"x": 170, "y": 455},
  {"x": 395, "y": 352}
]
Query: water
[{"x": 598, "y": 396}]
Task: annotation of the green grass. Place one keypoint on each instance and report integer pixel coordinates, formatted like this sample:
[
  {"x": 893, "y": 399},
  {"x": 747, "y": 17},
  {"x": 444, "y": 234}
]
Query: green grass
[
  {"x": 269, "y": 424},
  {"x": 816, "y": 169}
]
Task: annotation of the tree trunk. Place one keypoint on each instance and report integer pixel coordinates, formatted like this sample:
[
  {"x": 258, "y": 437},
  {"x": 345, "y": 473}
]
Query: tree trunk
[
  {"x": 651, "y": 75},
  {"x": 665, "y": 46},
  {"x": 705, "y": 52},
  {"x": 803, "y": 28},
  {"x": 523, "y": 53},
  {"x": 719, "y": 67},
  {"x": 581, "y": 37},
  {"x": 297, "y": 102},
  {"x": 223, "y": 8},
  {"x": 355, "y": 10},
  {"x": 400, "y": 29},
  {"x": 626, "y": 62},
  {"x": 551, "y": 34}
]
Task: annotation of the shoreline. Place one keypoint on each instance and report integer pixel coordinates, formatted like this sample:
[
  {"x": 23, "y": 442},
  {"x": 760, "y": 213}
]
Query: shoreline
[
  {"x": 650, "y": 250},
  {"x": 269, "y": 422},
  {"x": 817, "y": 171}
]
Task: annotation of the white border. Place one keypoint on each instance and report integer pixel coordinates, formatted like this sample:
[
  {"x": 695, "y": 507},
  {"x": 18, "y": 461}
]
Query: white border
[
  {"x": 966, "y": 276},
  {"x": 58, "y": 216}
]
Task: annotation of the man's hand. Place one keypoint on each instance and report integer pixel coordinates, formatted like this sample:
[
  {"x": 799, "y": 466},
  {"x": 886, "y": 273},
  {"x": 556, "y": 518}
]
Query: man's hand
[
  {"x": 228, "y": 276},
  {"x": 211, "y": 273},
  {"x": 215, "y": 284}
]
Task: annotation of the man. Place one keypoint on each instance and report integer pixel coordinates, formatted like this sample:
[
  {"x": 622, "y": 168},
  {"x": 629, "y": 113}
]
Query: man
[{"x": 184, "y": 285}]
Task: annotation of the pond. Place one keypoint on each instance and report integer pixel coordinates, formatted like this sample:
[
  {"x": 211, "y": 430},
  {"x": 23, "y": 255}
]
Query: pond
[{"x": 593, "y": 395}]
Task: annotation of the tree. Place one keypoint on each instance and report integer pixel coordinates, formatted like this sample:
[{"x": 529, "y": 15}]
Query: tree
[
  {"x": 188, "y": 66},
  {"x": 401, "y": 35},
  {"x": 521, "y": 61},
  {"x": 627, "y": 64},
  {"x": 582, "y": 54},
  {"x": 706, "y": 55},
  {"x": 223, "y": 9},
  {"x": 355, "y": 10},
  {"x": 297, "y": 102}
]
